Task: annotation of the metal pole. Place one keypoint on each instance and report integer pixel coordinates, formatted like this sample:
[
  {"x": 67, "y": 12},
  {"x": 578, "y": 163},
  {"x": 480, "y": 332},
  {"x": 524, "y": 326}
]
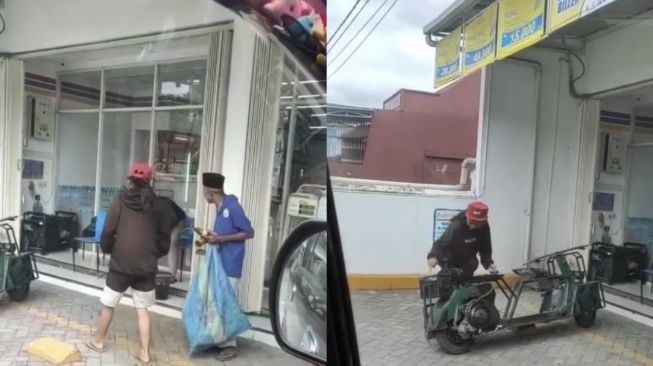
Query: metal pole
[
  {"x": 153, "y": 131},
  {"x": 98, "y": 173},
  {"x": 290, "y": 147}
]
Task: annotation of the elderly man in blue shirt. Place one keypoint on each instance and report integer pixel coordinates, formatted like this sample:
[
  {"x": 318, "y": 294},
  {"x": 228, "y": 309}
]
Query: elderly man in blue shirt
[{"x": 232, "y": 228}]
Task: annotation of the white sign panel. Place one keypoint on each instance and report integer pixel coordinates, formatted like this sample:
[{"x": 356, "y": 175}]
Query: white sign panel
[
  {"x": 441, "y": 220},
  {"x": 592, "y": 5}
]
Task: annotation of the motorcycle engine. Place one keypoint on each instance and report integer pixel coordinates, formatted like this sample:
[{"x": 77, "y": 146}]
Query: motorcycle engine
[{"x": 481, "y": 315}]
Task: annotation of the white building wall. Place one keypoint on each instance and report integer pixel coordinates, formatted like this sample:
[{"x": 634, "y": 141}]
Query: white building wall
[
  {"x": 388, "y": 234},
  {"x": 557, "y": 157},
  {"x": 11, "y": 135},
  {"x": 618, "y": 58},
  {"x": 238, "y": 104},
  {"x": 43, "y": 24}
]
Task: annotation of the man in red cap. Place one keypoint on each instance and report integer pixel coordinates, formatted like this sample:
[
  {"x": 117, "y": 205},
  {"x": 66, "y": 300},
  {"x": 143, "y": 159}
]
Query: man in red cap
[
  {"x": 136, "y": 233},
  {"x": 467, "y": 236}
]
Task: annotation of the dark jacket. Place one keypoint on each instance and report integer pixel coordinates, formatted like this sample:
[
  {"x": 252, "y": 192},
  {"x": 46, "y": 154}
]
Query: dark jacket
[
  {"x": 179, "y": 213},
  {"x": 459, "y": 245},
  {"x": 137, "y": 232}
]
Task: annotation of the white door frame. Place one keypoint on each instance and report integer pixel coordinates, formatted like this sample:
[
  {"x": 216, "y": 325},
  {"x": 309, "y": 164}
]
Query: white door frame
[{"x": 586, "y": 173}]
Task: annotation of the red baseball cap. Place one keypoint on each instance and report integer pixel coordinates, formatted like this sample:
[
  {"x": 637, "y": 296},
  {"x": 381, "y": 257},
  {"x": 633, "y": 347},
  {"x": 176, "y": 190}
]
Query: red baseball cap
[
  {"x": 140, "y": 171},
  {"x": 477, "y": 212}
]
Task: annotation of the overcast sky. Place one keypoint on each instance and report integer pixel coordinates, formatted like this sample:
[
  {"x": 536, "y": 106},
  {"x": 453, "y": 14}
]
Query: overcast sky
[{"x": 395, "y": 56}]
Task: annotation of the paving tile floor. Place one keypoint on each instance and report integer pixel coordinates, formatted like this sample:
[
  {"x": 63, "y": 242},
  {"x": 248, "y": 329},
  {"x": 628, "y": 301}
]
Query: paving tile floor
[
  {"x": 390, "y": 332},
  {"x": 70, "y": 316}
]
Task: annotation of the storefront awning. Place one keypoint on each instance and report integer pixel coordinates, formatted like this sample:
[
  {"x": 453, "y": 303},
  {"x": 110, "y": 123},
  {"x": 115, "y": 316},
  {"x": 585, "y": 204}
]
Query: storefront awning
[{"x": 473, "y": 33}]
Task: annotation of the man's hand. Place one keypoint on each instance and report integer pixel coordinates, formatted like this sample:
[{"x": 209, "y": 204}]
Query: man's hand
[
  {"x": 433, "y": 262},
  {"x": 213, "y": 238},
  {"x": 493, "y": 269}
]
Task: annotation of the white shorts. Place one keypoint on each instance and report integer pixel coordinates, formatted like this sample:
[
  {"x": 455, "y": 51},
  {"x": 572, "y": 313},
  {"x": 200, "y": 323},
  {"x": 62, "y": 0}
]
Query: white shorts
[
  {"x": 142, "y": 300},
  {"x": 143, "y": 289}
]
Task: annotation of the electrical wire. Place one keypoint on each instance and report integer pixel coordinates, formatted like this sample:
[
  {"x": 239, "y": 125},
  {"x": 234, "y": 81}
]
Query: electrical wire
[
  {"x": 580, "y": 60},
  {"x": 360, "y": 10},
  {"x": 331, "y": 59},
  {"x": 4, "y": 24},
  {"x": 345, "y": 20},
  {"x": 364, "y": 39}
]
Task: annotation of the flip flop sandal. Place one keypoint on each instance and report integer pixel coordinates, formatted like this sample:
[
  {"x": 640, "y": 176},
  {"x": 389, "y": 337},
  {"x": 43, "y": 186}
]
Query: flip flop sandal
[
  {"x": 140, "y": 362},
  {"x": 227, "y": 354},
  {"x": 89, "y": 343}
]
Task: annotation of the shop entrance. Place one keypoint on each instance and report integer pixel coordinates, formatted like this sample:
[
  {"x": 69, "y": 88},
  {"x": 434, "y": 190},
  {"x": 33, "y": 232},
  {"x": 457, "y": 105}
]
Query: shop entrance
[
  {"x": 299, "y": 167},
  {"x": 622, "y": 214},
  {"x": 90, "y": 115}
]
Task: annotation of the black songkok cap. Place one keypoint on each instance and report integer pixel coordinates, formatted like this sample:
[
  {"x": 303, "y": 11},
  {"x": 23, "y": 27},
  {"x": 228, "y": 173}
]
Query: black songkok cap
[{"x": 213, "y": 180}]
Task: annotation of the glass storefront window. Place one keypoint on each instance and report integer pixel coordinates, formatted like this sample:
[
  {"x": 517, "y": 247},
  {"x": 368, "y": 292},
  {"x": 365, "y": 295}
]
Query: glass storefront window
[
  {"x": 77, "y": 143},
  {"x": 126, "y": 136},
  {"x": 176, "y": 160},
  {"x": 182, "y": 83},
  {"x": 122, "y": 145},
  {"x": 113, "y": 107},
  {"x": 299, "y": 170},
  {"x": 131, "y": 87},
  {"x": 80, "y": 90}
]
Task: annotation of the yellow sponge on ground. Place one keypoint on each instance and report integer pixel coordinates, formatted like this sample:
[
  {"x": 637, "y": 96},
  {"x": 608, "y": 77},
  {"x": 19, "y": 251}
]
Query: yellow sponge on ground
[{"x": 54, "y": 351}]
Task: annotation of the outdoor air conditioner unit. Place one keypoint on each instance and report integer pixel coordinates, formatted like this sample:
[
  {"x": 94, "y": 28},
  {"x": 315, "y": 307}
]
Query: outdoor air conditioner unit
[
  {"x": 301, "y": 207},
  {"x": 315, "y": 189}
]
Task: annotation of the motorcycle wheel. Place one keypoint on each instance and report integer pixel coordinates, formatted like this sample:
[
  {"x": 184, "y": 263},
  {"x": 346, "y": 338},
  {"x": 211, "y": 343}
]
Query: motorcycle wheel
[
  {"x": 451, "y": 342},
  {"x": 586, "y": 319}
]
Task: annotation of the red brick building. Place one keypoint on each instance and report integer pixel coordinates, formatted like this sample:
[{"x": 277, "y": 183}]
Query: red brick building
[{"x": 419, "y": 137}]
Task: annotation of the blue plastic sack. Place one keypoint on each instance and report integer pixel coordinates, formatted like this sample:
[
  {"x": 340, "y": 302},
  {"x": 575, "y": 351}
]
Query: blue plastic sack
[{"x": 211, "y": 313}]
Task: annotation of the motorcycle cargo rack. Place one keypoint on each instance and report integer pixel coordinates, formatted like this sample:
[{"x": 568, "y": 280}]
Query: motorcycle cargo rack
[{"x": 435, "y": 286}]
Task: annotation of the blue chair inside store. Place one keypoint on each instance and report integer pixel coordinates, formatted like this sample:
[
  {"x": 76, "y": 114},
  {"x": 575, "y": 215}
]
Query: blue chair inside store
[
  {"x": 185, "y": 242},
  {"x": 93, "y": 240}
]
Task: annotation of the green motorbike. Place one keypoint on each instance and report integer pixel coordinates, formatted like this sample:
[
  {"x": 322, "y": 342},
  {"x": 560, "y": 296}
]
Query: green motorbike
[
  {"x": 17, "y": 269},
  {"x": 457, "y": 309}
]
